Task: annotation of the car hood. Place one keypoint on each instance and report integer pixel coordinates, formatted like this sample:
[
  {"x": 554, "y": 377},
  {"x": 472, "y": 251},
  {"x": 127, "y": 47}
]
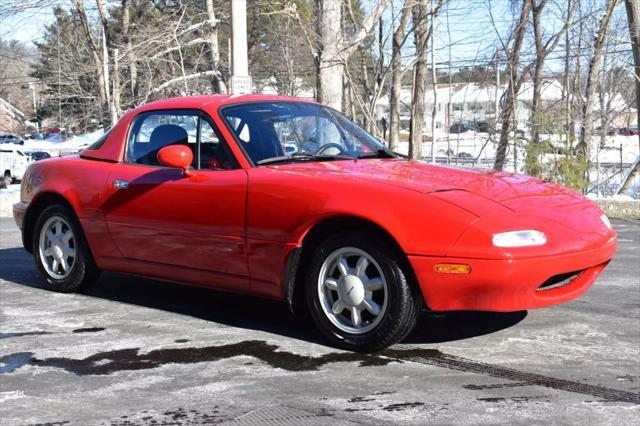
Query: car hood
[{"x": 511, "y": 190}]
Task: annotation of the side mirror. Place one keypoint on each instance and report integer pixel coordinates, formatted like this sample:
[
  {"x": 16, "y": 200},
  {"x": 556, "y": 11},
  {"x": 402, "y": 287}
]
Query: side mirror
[{"x": 176, "y": 156}]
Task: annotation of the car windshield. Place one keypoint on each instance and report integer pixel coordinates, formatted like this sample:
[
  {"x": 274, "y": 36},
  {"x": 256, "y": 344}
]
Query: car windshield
[{"x": 274, "y": 132}]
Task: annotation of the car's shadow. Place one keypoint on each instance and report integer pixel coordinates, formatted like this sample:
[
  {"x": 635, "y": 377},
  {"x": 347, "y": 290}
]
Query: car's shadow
[{"x": 248, "y": 312}]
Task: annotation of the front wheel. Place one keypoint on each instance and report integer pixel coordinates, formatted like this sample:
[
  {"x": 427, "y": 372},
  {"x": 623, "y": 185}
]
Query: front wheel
[
  {"x": 61, "y": 252},
  {"x": 358, "y": 293}
]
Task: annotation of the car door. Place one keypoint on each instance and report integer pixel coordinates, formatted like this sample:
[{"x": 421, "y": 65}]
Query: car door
[{"x": 159, "y": 216}]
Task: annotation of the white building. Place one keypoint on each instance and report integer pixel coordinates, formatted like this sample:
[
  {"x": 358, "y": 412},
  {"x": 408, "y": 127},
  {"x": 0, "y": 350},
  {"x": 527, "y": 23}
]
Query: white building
[{"x": 476, "y": 103}]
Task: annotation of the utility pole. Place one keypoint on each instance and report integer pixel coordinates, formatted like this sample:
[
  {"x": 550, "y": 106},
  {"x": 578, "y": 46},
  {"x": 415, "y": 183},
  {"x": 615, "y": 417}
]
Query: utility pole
[
  {"x": 240, "y": 79},
  {"x": 35, "y": 106},
  {"x": 59, "y": 81},
  {"x": 105, "y": 75},
  {"x": 434, "y": 78},
  {"x": 497, "y": 96}
]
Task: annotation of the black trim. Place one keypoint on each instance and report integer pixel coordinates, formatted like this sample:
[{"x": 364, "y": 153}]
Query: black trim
[
  {"x": 290, "y": 272},
  {"x": 100, "y": 141},
  {"x": 238, "y": 142},
  {"x": 225, "y": 145},
  {"x": 200, "y": 115}
]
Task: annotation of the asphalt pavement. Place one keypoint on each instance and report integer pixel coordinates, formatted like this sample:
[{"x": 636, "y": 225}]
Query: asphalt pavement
[{"x": 132, "y": 351}]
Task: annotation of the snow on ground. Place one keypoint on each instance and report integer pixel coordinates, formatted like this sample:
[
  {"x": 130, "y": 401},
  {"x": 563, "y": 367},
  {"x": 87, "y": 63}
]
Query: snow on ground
[
  {"x": 8, "y": 197},
  {"x": 69, "y": 146},
  {"x": 12, "y": 189},
  {"x": 480, "y": 145},
  {"x": 616, "y": 197}
]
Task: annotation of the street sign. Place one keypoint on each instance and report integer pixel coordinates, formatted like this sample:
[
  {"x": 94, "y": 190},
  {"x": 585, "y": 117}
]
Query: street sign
[{"x": 241, "y": 85}]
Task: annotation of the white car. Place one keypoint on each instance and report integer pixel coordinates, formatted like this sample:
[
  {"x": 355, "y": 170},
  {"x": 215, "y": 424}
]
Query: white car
[{"x": 13, "y": 164}]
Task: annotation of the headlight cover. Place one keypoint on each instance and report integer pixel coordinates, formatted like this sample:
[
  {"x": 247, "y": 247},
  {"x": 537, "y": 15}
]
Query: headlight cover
[
  {"x": 524, "y": 238},
  {"x": 606, "y": 221}
]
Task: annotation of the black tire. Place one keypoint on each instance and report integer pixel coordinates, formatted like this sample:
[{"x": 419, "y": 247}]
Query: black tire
[
  {"x": 83, "y": 271},
  {"x": 404, "y": 298},
  {"x": 6, "y": 181}
]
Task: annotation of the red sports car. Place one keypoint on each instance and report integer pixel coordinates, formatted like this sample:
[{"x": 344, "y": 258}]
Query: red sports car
[{"x": 288, "y": 199}]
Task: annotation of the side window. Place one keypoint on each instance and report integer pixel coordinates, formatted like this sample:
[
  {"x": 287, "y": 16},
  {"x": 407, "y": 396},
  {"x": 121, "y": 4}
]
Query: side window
[
  {"x": 98, "y": 143},
  {"x": 214, "y": 154},
  {"x": 154, "y": 130},
  {"x": 258, "y": 136}
]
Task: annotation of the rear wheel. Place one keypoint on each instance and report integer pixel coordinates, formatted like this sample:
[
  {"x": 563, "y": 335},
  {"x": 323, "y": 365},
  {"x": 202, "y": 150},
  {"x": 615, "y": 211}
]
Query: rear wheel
[
  {"x": 61, "y": 252},
  {"x": 358, "y": 294},
  {"x": 6, "y": 180}
]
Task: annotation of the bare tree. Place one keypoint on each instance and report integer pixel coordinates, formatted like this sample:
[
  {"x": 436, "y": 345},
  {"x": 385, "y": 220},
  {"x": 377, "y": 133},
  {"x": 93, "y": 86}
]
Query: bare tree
[
  {"x": 542, "y": 50},
  {"x": 396, "y": 75},
  {"x": 419, "y": 13},
  {"x": 130, "y": 54},
  {"x": 334, "y": 48},
  {"x": 96, "y": 52},
  {"x": 633, "y": 19},
  {"x": 590, "y": 88},
  {"x": 510, "y": 96},
  {"x": 214, "y": 48}
]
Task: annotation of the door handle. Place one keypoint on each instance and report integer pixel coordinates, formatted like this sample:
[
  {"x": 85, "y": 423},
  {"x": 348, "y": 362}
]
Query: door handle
[{"x": 120, "y": 184}]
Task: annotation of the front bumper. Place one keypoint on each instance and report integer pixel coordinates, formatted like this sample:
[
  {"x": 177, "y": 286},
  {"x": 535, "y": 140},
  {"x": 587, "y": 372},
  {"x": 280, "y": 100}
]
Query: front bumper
[
  {"x": 509, "y": 284},
  {"x": 19, "y": 210}
]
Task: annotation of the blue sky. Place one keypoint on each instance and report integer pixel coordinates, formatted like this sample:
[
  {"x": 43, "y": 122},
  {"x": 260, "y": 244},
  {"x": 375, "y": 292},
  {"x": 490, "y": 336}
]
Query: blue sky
[
  {"x": 466, "y": 24},
  {"x": 468, "y": 27}
]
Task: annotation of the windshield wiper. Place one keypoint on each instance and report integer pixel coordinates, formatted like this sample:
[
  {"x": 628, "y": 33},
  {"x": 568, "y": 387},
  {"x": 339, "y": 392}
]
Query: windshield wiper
[
  {"x": 303, "y": 156},
  {"x": 381, "y": 153}
]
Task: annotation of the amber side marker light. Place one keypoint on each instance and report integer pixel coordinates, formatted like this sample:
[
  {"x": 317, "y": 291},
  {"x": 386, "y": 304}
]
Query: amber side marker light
[{"x": 452, "y": 268}]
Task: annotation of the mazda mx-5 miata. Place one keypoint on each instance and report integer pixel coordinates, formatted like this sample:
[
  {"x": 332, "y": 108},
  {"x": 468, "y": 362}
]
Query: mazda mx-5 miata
[{"x": 288, "y": 199}]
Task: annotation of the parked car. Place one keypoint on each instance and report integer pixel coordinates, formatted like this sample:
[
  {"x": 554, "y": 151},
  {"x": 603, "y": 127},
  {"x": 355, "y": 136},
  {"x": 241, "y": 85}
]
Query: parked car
[
  {"x": 59, "y": 137},
  {"x": 465, "y": 156},
  {"x": 628, "y": 131},
  {"x": 485, "y": 127},
  {"x": 459, "y": 128},
  {"x": 16, "y": 140},
  {"x": 37, "y": 155},
  {"x": 13, "y": 164},
  {"x": 358, "y": 236}
]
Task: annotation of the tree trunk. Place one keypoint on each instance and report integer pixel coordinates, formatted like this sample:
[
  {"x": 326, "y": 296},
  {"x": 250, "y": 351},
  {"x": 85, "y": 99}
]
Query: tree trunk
[
  {"x": 633, "y": 17},
  {"x": 330, "y": 72},
  {"x": 419, "y": 15},
  {"x": 590, "y": 88},
  {"x": 96, "y": 52},
  {"x": 113, "y": 114},
  {"x": 434, "y": 80},
  {"x": 543, "y": 49},
  {"x": 116, "y": 85},
  {"x": 131, "y": 57},
  {"x": 396, "y": 77},
  {"x": 537, "y": 75},
  {"x": 218, "y": 81},
  {"x": 566, "y": 86},
  {"x": 335, "y": 50},
  {"x": 510, "y": 95}
]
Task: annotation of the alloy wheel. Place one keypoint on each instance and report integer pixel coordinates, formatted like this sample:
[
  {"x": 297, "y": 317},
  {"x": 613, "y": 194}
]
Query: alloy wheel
[
  {"x": 57, "y": 247},
  {"x": 353, "y": 290}
]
